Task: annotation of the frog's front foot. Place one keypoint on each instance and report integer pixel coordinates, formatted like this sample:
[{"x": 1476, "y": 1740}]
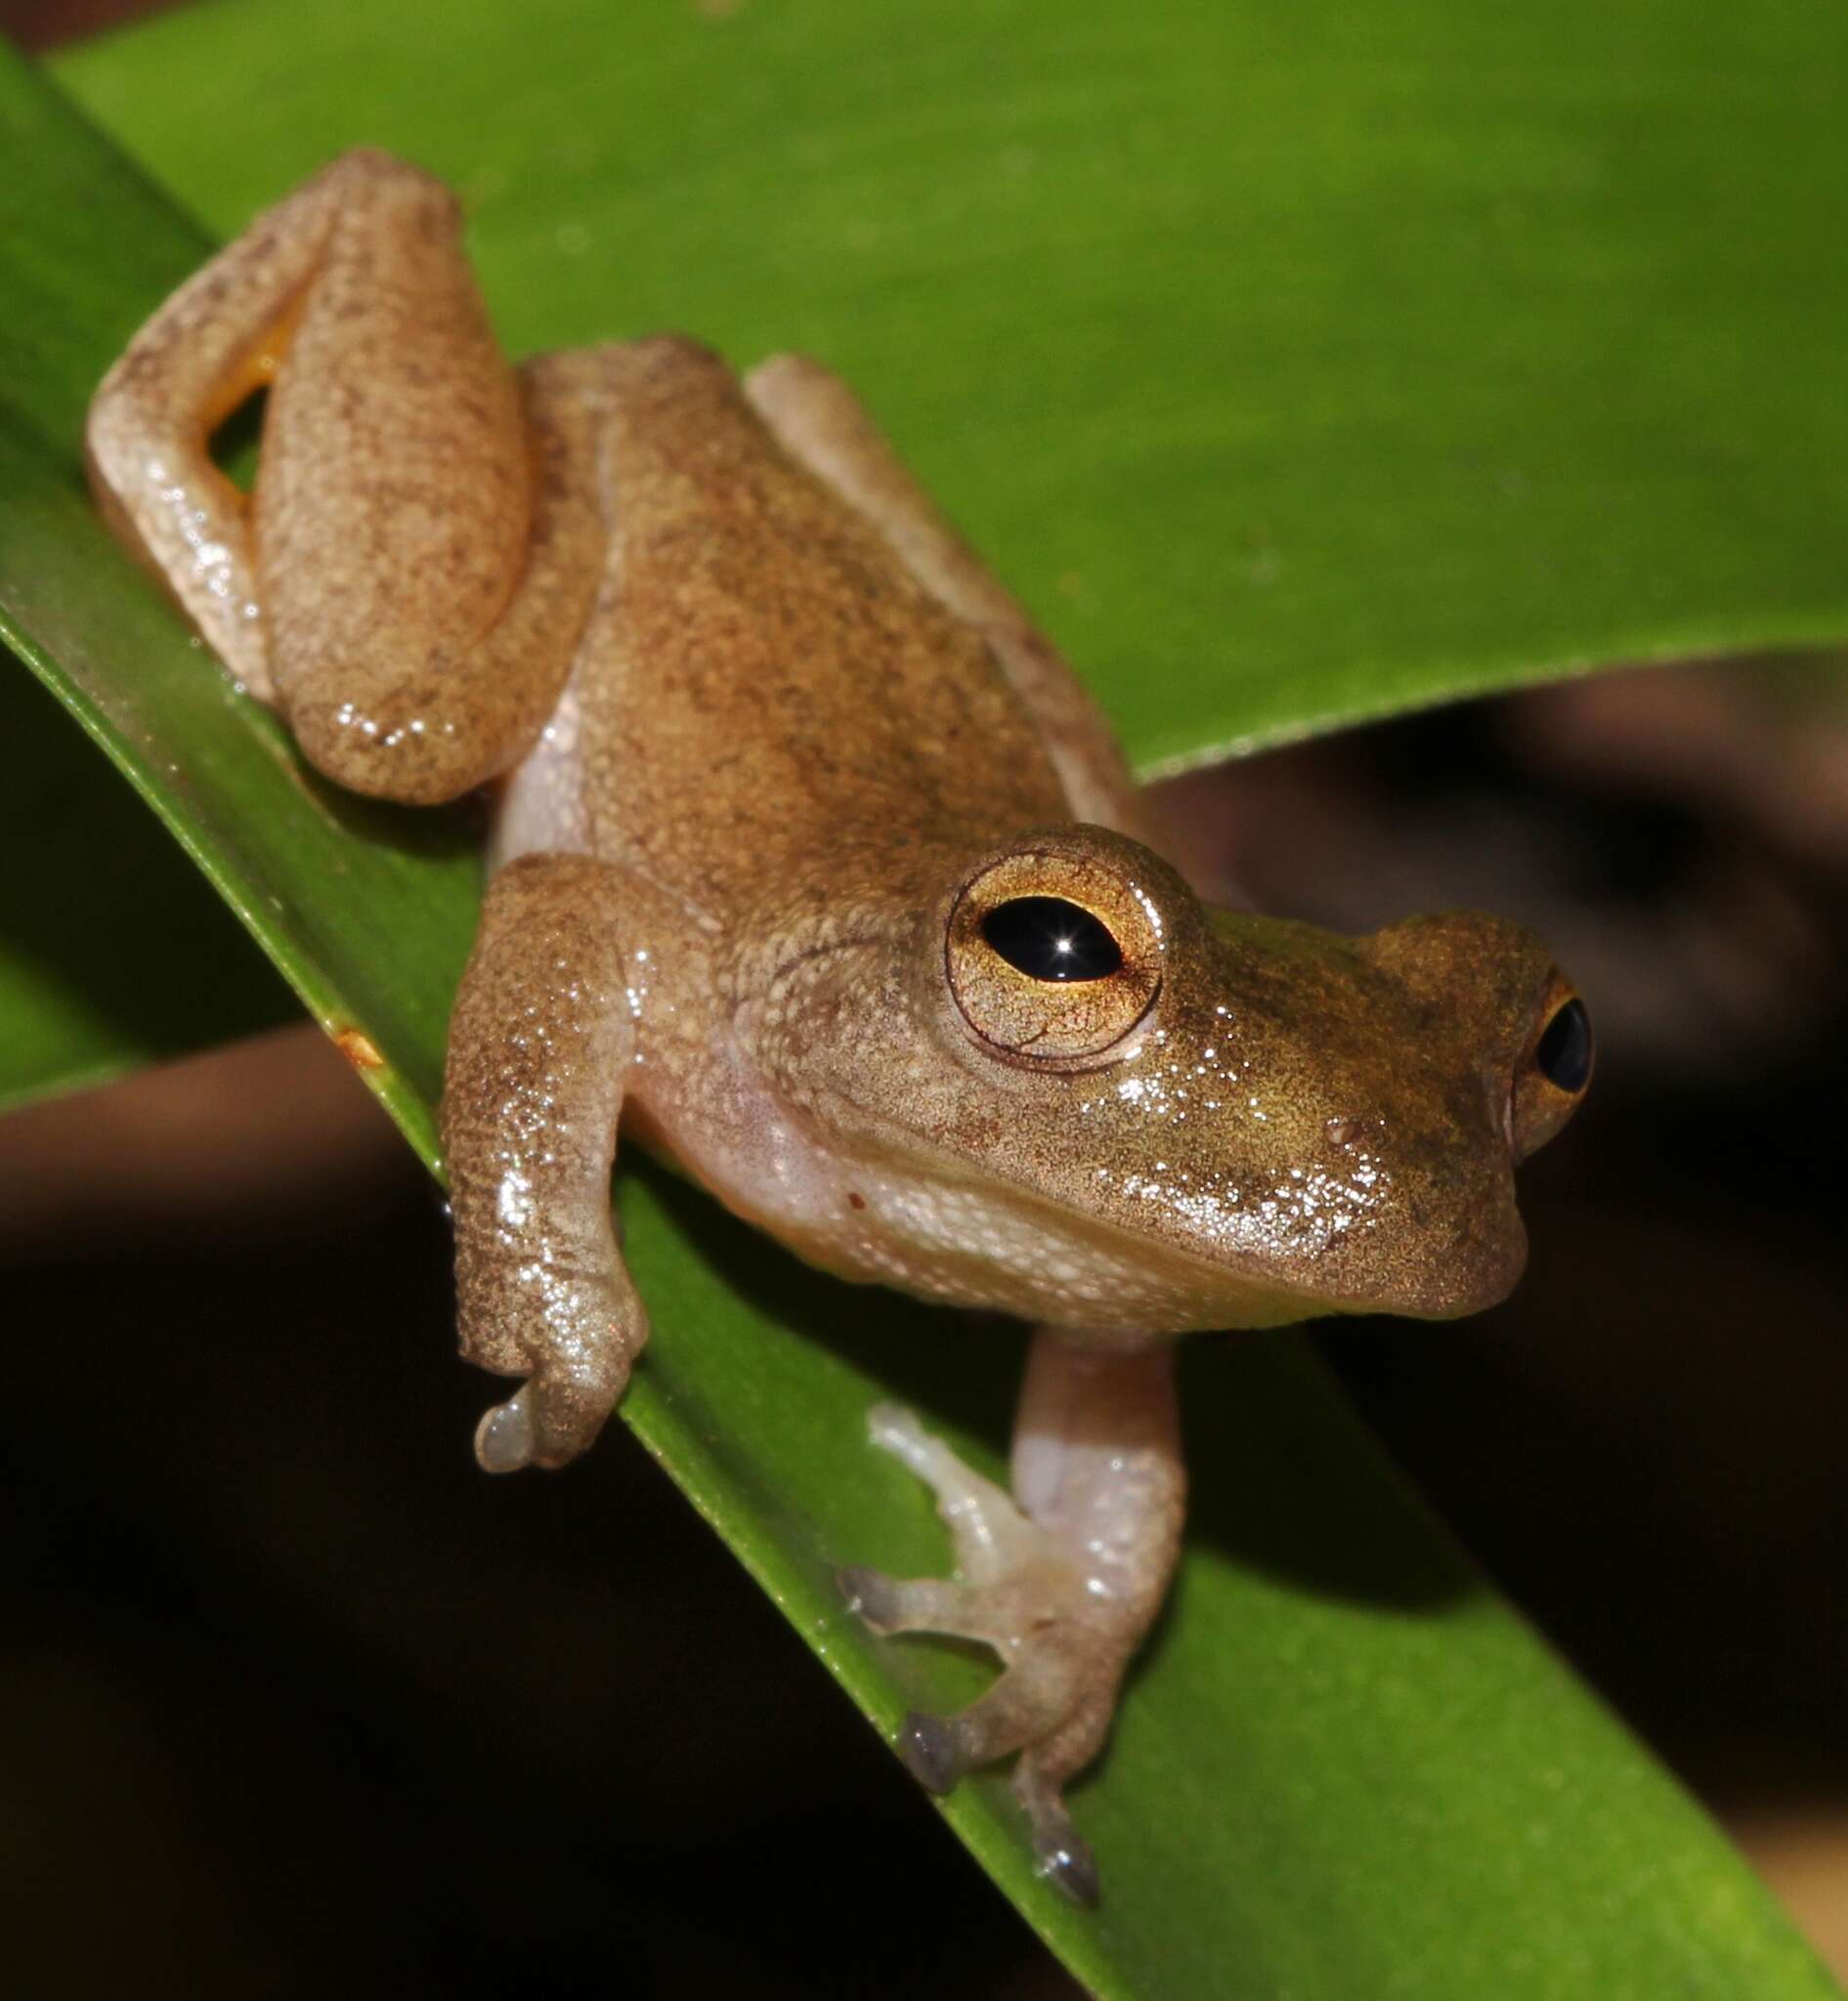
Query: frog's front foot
[
  {"x": 1024, "y": 1588},
  {"x": 550, "y": 1419},
  {"x": 579, "y": 1361},
  {"x": 541, "y": 1040}
]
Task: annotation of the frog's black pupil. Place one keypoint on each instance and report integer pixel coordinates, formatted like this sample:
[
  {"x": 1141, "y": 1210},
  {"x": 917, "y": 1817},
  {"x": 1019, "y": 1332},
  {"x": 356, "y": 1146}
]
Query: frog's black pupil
[
  {"x": 1049, "y": 939},
  {"x": 1565, "y": 1051}
]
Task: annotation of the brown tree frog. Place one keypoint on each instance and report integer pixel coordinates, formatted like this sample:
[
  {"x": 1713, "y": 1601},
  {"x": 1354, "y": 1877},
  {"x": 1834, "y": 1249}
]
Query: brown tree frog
[{"x": 814, "y": 868}]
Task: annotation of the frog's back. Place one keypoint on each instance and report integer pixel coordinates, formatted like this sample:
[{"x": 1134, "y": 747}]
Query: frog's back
[{"x": 767, "y": 692}]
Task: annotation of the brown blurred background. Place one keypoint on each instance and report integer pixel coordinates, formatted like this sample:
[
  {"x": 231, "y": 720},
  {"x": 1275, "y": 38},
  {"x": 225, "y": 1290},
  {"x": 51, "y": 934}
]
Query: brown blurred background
[{"x": 303, "y": 1705}]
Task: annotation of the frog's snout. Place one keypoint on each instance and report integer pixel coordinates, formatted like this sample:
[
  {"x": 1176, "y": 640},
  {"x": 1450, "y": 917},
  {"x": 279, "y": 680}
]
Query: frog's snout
[{"x": 1496, "y": 987}]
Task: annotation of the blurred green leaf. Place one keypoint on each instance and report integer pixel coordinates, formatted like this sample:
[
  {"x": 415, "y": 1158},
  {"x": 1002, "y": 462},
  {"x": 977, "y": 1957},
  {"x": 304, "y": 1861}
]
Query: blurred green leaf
[
  {"x": 1510, "y": 331},
  {"x": 1298, "y": 360},
  {"x": 95, "y": 900}
]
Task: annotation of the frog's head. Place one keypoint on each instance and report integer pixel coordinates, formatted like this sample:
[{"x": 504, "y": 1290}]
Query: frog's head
[{"x": 1192, "y": 1119}]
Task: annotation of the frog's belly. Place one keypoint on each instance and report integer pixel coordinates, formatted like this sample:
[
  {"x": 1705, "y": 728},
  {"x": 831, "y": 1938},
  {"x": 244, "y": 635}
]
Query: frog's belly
[{"x": 540, "y": 808}]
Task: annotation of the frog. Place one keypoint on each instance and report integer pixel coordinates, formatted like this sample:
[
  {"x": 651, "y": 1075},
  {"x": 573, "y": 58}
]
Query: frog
[{"x": 813, "y": 868}]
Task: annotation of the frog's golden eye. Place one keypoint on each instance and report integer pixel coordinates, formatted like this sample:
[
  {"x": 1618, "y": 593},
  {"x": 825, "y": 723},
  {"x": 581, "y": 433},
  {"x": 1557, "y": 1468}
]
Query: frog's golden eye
[
  {"x": 1052, "y": 959},
  {"x": 1552, "y": 1077}
]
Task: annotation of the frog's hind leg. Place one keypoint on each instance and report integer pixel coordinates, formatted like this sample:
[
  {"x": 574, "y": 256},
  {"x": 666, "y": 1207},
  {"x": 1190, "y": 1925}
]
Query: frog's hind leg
[
  {"x": 1062, "y": 1582},
  {"x": 540, "y": 1044},
  {"x": 213, "y": 344},
  {"x": 423, "y": 548},
  {"x": 820, "y": 422}
]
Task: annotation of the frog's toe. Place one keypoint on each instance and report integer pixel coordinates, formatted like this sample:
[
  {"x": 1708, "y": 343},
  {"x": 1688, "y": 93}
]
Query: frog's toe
[
  {"x": 1063, "y": 1855},
  {"x": 938, "y": 1750},
  {"x": 893, "y": 1604},
  {"x": 552, "y": 1417},
  {"x": 873, "y": 1594},
  {"x": 992, "y": 1537},
  {"x": 1051, "y": 1705},
  {"x": 933, "y": 1750},
  {"x": 503, "y": 1440},
  {"x": 1037, "y": 1695}
]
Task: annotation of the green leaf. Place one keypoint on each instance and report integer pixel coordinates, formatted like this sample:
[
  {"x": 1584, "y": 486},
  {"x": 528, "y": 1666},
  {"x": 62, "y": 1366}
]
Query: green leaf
[
  {"x": 93, "y": 899},
  {"x": 1297, "y": 360},
  {"x": 1426, "y": 284}
]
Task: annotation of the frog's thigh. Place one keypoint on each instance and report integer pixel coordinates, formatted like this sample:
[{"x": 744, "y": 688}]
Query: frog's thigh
[
  {"x": 1062, "y": 1578},
  {"x": 817, "y": 418},
  {"x": 429, "y": 526},
  {"x": 540, "y": 1044}
]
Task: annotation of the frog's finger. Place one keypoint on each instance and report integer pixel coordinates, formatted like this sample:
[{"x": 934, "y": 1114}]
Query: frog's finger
[
  {"x": 503, "y": 1440},
  {"x": 555, "y": 1414}
]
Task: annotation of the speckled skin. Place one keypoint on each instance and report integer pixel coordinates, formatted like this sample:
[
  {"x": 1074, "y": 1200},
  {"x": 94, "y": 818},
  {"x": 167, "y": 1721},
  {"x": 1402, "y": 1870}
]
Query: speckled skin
[{"x": 770, "y": 746}]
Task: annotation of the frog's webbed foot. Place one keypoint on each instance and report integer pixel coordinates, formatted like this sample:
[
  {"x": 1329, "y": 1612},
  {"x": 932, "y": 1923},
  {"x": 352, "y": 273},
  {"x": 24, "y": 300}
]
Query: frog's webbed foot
[
  {"x": 1019, "y": 1591},
  {"x": 1063, "y": 1595}
]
